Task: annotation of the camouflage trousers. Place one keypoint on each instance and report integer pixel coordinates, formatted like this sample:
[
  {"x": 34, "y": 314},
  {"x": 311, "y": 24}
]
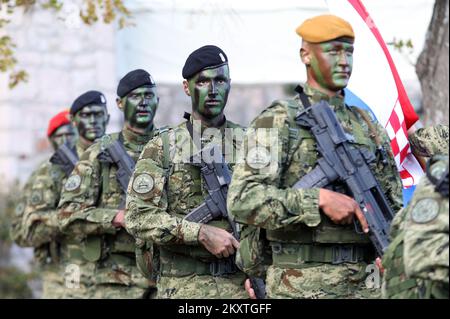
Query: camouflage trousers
[
  {"x": 87, "y": 281},
  {"x": 52, "y": 285},
  {"x": 325, "y": 281},
  {"x": 105, "y": 291},
  {"x": 202, "y": 287}
]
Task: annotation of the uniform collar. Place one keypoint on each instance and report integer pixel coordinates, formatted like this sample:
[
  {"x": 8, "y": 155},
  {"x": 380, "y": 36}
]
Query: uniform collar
[
  {"x": 81, "y": 146},
  {"x": 316, "y": 96},
  {"x": 135, "y": 141},
  {"x": 200, "y": 129}
]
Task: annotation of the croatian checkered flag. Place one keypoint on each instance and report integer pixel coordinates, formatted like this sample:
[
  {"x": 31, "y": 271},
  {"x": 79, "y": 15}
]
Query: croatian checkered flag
[{"x": 386, "y": 97}]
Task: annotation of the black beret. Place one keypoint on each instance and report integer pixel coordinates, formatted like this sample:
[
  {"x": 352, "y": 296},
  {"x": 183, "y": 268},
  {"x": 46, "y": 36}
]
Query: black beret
[
  {"x": 207, "y": 56},
  {"x": 134, "y": 80},
  {"x": 88, "y": 98}
]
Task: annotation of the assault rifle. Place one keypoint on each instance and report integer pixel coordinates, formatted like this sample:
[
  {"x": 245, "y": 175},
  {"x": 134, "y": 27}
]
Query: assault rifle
[
  {"x": 342, "y": 162},
  {"x": 217, "y": 178},
  {"x": 65, "y": 157}
]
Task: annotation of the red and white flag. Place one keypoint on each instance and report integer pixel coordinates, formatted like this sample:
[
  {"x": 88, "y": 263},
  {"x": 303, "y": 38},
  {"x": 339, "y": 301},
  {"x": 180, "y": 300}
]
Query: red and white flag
[{"x": 386, "y": 96}]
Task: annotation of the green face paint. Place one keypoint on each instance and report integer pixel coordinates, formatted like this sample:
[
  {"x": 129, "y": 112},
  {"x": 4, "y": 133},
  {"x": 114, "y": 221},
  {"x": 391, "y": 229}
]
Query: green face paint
[
  {"x": 64, "y": 134},
  {"x": 91, "y": 122},
  {"x": 140, "y": 107},
  {"x": 209, "y": 91},
  {"x": 332, "y": 63}
]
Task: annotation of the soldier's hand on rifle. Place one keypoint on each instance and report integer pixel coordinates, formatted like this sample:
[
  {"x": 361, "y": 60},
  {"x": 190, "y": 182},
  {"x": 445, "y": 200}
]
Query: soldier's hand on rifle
[
  {"x": 217, "y": 241},
  {"x": 341, "y": 209},
  {"x": 379, "y": 264},
  {"x": 249, "y": 289},
  {"x": 119, "y": 219}
]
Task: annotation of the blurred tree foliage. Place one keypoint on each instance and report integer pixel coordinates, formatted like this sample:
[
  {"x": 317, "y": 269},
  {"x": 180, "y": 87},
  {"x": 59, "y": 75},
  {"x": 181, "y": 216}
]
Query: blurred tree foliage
[
  {"x": 91, "y": 11},
  {"x": 13, "y": 282}
]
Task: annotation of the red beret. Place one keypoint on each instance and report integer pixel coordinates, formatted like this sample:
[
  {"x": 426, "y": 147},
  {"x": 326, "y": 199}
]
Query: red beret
[{"x": 60, "y": 119}]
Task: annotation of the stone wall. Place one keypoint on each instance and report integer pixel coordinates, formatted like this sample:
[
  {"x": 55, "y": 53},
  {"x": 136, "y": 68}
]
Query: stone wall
[
  {"x": 63, "y": 60},
  {"x": 66, "y": 59}
]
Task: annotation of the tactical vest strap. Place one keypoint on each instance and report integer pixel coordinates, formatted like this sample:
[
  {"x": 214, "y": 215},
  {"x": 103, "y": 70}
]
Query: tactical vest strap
[
  {"x": 295, "y": 256},
  {"x": 166, "y": 149},
  {"x": 396, "y": 284},
  {"x": 105, "y": 177}
]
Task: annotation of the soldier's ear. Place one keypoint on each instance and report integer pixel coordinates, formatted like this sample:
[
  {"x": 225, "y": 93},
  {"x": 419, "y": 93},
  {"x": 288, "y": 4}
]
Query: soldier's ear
[
  {"x": 73, "y": 120},
  {"x": 186, "y": 87},
  {"x": 305, "y": 54},
  {"x": 119, "y": 104}
]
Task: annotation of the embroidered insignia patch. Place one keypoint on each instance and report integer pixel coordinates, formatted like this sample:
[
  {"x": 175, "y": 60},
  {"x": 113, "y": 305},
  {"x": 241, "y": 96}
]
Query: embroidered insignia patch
[
  {"x": 143, "y": 183},
  {"x": 20, "y": 208},
  {"x": 73, "y": 183},
  {"x": 425, "y": 211},
  {"x": 36, "y": 197},
  {"x": 258, "y": 157}
]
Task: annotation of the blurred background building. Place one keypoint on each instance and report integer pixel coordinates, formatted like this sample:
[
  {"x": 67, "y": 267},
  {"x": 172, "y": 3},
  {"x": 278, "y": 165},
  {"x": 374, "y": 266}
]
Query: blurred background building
[{"x": 65, "y": 58}]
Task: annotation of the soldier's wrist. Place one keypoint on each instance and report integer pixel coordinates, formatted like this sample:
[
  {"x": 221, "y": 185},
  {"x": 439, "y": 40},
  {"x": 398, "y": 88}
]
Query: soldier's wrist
[
  {"x": 190, "y": 232},
  {"x": 306, "y": 206}
]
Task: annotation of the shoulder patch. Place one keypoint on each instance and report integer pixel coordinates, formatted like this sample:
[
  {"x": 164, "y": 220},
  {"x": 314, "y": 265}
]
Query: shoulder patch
[
  {"x": 425, "y": 210},
  {"x": 73, "y": 183},
  {"x": 36, "y": 197},
  {"x": 143, "y": 183},
  {"x": 20, "y": 208},
  {"x": 258, "y": 157}
]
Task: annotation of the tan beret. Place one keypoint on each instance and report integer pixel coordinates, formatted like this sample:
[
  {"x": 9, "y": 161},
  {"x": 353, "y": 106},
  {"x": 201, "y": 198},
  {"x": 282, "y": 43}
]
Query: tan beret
[{"x": 324, "y": 28}]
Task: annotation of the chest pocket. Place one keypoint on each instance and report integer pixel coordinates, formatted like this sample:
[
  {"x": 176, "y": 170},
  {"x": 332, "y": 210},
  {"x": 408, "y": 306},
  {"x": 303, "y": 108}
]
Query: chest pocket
[
  {"x": 302, "y": 156},
  {"x": 184, "y": 188},
  {"x": 111, "y": 189}
]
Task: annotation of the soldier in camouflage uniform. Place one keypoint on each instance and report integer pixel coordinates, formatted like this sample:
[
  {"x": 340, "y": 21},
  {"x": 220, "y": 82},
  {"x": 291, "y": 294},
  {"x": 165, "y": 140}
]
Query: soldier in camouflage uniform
[
  {"x": 36, "y": 225},
  {"x": 416, "y": 262},
  {"x": 196, "y": 259},
  {"x": 316, "y": 252},
  {"x": 431, "y": 140},
  {"x": 101, "y": 254}
]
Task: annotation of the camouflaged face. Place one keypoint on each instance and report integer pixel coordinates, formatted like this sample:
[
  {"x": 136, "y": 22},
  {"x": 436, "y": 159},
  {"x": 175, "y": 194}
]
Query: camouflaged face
[{"x": 429, "y": 141}]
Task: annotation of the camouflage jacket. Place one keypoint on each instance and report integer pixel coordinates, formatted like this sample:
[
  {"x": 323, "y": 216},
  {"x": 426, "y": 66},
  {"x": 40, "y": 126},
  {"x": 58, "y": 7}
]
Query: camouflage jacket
[
  {"x": 159, "y": 198},
  {"x": 429, "y": 141},
  {"x": 36, "y": 223},
  {"x": 89, "y": 202},
  {"x": 417, "y": 260},
  {"x": 260, "y": 193}
]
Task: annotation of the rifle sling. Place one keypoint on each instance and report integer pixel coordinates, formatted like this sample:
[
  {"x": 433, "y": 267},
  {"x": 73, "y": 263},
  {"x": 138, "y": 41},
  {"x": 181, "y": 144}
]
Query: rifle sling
[{"x": 303, "y": 96}]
